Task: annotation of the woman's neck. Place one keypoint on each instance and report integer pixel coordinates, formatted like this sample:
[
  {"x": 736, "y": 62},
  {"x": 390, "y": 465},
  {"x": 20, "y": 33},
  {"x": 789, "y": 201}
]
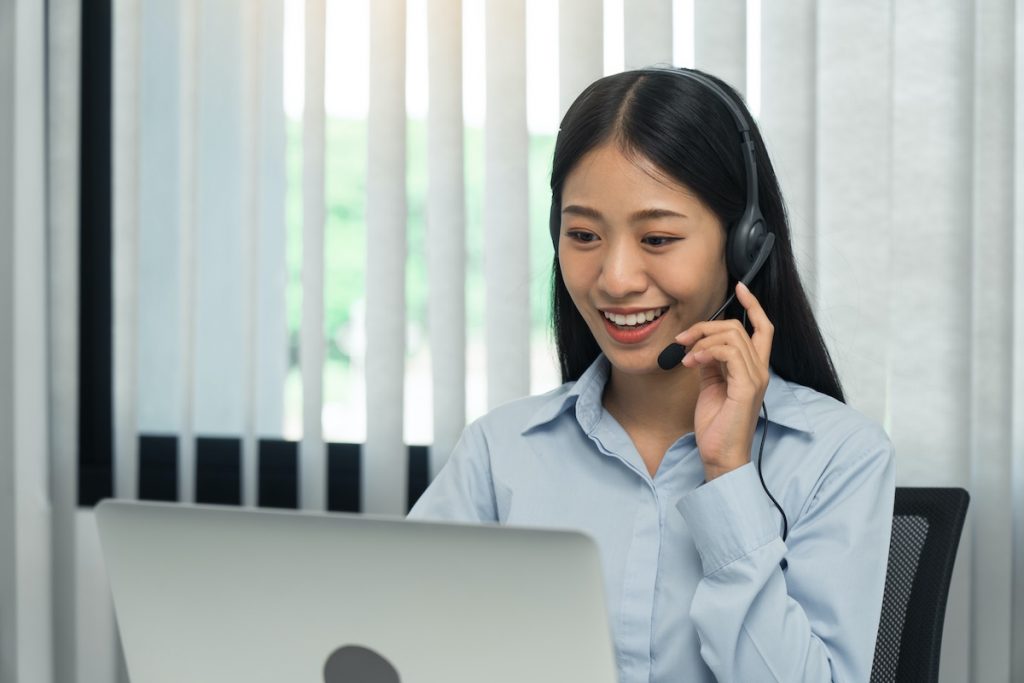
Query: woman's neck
[{"x": 659, "y": 405}]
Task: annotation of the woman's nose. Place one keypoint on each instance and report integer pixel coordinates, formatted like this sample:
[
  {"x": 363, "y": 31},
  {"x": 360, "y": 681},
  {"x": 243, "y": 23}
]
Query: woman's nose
[{"x": 623, "y": 272}]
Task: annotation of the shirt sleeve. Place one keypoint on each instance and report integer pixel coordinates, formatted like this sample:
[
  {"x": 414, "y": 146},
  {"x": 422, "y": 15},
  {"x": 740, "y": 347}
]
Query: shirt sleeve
[
  {"x": 463, "y": 490},
  {"x": 817, "y": 620}
]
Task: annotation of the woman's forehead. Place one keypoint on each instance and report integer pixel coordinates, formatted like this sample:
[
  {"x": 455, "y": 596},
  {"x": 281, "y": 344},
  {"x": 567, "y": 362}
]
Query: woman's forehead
[{"x": 608, "y": 175}]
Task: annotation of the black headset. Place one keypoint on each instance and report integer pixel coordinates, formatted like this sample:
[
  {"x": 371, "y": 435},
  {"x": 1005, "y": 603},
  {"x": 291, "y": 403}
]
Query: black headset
[
  {"x": 748, "y": 245},
  {"x": 748, "y": 242}
]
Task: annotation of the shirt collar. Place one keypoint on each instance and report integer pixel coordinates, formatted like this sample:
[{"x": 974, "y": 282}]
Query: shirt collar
[
  {"x": 589, "y": 386},
  {"x": 784, "y": 407}
]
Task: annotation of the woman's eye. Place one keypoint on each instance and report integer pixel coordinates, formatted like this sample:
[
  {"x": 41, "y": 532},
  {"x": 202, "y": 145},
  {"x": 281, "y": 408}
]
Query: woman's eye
[
  {"x": 658, "y": 240},
  {"x": 582, "y": 236}
]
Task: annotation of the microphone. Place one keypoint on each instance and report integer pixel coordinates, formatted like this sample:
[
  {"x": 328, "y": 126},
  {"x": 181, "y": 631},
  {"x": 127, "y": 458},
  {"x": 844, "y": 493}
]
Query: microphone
[{"x": 673, "y": 354}]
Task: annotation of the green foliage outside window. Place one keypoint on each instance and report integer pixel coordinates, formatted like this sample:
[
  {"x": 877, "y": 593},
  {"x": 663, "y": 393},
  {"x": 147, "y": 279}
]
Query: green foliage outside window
[{"x": 345, "y": 240}]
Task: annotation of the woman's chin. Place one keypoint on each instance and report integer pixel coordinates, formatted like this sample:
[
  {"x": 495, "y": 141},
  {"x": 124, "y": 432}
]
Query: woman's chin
[{"x": 641, "y": 361}]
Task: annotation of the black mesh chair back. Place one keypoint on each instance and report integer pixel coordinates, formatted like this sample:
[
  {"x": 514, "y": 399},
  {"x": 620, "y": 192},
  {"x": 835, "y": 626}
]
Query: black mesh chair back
[{"x": 926, "y": 530}]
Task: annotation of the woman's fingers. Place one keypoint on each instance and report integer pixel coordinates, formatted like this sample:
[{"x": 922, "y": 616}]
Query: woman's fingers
[
  {"x": 704, "y": 334},
  {"x": 752, "y": 354},
  {"x": 732, "y": 348},
  {"x": 764, "y": 330},
  {"x": 694, "y": 334}
]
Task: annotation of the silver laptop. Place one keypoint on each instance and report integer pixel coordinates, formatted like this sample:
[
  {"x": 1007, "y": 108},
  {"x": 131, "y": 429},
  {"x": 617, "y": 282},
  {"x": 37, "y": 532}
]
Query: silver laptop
[{"x": 223, "y": 594}]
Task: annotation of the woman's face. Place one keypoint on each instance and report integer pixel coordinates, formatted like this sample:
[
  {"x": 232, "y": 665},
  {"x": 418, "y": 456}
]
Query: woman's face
[{"x": 642, "y": 249}]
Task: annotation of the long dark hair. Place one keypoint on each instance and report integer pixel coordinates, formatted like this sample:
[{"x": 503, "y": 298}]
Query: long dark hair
[{"x": 690, "y": 135}]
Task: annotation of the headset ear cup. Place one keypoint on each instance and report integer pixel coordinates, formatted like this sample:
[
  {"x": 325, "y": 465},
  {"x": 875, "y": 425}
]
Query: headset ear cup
[
  {"x": 738, "y": 249},
  {"x": 733, "y": 253},
  {"x": 743, "y": 246}
]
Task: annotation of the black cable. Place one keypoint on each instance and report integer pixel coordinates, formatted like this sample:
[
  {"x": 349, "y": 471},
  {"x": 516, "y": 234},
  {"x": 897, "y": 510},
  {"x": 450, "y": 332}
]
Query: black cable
[{"x": 760, "y": 454}]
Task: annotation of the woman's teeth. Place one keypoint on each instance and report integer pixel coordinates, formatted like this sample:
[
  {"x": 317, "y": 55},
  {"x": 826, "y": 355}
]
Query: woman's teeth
[{"x": 634, "y": 319}]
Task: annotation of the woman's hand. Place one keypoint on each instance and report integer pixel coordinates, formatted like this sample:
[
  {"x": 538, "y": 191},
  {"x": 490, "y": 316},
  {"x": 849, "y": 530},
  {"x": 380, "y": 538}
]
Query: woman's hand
[{"x": 733, "y": 378}]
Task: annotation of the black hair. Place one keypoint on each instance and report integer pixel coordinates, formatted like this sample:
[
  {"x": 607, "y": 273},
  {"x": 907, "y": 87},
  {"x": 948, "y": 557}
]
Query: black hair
[{"x": 683, "y": 128}]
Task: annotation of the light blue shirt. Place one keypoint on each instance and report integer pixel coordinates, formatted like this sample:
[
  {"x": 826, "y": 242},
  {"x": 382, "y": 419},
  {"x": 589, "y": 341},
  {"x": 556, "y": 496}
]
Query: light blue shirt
[{"x": 694, "y": 583}]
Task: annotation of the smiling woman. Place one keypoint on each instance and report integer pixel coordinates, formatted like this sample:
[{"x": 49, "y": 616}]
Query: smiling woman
[
  {"x": 708, "y": 576},
  {"x": 634, "y": 242}
]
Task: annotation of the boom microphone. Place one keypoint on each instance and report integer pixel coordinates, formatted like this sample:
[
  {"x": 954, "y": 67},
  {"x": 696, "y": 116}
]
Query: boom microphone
[{"x": 674, "y": 352}]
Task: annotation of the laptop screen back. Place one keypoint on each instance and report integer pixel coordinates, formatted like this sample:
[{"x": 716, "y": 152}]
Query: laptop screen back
[{"x": 223, "y": 594}]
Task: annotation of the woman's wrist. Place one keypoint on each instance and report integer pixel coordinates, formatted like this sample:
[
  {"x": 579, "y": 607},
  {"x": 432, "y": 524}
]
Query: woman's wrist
[{"x": 714, "y": 471}]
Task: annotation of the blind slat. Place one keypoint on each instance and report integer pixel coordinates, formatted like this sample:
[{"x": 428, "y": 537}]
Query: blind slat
[
  {"x": 220, "y": 304},
  {"x": 312, "y": 458},
  {"x": 64, "y": 47},
  {"x": 580, "y": 48},
  {"x": 788, "y": 118},
  {"x": 384, "y": 465},
  {"x": 26, "y": 646},
  {"x": 992, "y": 341},
  {"x": 125, "y": 114},
  {"x": 648, "y": 33},
  {"x": 506, "y": 254},
  {"x": 853, "y": 163},
  {"x": 188, "y": 76},
  {"x": 446, "y": 228},
  {"x": 1017, "y": 312},
  {"x": 159, "y": 354},
  {"x": 252, "y": 221},
  {"x": 272, "y": 348},
  {"x": 931, "y": 180},
  {"x": 720, "y": 40}
]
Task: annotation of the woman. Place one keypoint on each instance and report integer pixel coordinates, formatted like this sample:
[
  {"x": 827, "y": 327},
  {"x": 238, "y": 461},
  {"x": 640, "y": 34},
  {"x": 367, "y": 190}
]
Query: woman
[{"x": 712, "y": 572}]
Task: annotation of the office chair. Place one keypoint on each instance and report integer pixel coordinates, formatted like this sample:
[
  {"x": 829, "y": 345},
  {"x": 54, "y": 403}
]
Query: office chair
[{"x": 926, "y": 530}]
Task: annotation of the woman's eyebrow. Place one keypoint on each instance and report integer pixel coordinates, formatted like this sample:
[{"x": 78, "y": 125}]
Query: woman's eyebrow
[
  {"x": 641, "y": 215},
  {"x": 584, "y": 211},
  {"x": 648, "y": 214}
]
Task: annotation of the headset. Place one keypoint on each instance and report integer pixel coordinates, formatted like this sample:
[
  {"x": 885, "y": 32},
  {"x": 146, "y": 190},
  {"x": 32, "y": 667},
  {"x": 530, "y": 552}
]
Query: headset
[
  {"x": 748, "y": 245},
  {"x": 748, "y": 242}
]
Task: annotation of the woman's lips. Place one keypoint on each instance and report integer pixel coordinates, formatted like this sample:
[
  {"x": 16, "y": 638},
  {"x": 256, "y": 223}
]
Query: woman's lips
[{"x": 631, "y": 335}]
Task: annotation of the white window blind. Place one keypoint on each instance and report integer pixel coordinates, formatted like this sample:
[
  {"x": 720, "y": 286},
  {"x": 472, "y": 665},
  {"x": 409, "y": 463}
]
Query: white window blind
[{"x": 894, "y": 131}]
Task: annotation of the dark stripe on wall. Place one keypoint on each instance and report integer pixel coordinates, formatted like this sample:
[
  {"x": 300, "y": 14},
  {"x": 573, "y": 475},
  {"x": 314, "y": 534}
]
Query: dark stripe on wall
[
  {"x": 344, "y": 477},
  {"x": 95, "y": 397},
  {"x": 218, "y": 470},
  {"x": 278, "y": 474},
  {"x": 419, "y": 472},
  {"x": 158, "y": 468}
]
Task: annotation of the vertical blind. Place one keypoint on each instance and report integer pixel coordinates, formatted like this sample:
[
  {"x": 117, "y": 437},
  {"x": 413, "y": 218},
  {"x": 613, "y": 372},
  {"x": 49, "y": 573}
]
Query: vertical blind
[
  {"x": 506, "y": 238},
  {"x": 895, "y": 128},
  {"x": 384, "y": 472},
  {"x": 64, "y": 19},
  {"x": 446, "y": 226},
  {"x": 312, "y": 349}
]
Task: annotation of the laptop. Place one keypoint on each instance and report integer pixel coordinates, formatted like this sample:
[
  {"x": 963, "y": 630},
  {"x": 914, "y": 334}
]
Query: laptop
[{"x": 206, "y": 593}]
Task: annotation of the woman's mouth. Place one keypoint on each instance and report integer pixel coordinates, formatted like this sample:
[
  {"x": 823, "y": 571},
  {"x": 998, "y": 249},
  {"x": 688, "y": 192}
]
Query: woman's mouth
[{"x": 632, "y": 328}]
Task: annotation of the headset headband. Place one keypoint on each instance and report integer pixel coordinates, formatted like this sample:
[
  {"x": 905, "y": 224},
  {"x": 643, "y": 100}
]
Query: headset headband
[{"x": 742, "y": 126}]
